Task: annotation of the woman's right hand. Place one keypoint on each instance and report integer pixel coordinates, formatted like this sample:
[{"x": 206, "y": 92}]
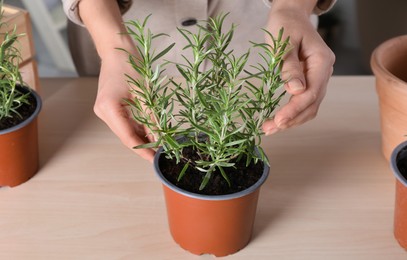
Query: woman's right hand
[
  {"x": 104, "y": 23},
  {"x": 111, "y": 108}
]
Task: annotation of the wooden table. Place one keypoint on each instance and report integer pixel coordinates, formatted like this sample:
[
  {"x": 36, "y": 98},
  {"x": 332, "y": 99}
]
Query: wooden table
[{"x": 330, "y": 194}]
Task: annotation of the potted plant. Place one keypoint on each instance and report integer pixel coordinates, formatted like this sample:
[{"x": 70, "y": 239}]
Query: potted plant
[
  {"x": 388, "y": 63},
  {"x": 208, "y": 128},
  {"x": 398, "y": 164},
  {"x": 19, "y": 108}
]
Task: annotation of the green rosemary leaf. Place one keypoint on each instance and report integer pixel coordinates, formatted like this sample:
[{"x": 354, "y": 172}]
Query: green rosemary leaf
[
  {"x": 224, "y": 175},
  {"x": 183, "y": 171},
  {"x": 162, "y": 53},
  {"x": 147, "y": 146}
]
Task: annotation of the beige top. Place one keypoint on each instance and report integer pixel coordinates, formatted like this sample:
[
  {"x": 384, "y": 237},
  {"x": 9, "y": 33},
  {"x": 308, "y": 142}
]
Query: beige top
[
  {"x": 250, "y": 16},
  {"x": 71, "y": 10}
]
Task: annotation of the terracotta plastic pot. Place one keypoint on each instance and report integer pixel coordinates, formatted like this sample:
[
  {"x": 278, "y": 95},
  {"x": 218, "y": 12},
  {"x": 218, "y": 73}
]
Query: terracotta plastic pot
[
  {"x": 389, "y": 63},
  {"x": 19, "y": 150},
  {"x": 398, "y": 164},
  {"x": 202, "y": 224}
]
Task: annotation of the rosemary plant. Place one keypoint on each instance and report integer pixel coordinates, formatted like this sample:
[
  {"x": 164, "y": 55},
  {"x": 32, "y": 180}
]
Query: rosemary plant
[
  {"x": 221, "y": 109},
  {"x": 11, "y": 98}
]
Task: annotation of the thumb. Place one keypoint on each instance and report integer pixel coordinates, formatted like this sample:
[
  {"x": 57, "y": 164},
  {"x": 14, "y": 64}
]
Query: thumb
[{"x": 293, "y": 73}]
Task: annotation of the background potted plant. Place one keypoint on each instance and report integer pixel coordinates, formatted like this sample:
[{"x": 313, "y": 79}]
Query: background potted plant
[
  {"x": 19, "y": 108},
  {"x": 398, "y": 164},
  {"x": 388, "y": 63},
  {"x": 208, "y": 126}
]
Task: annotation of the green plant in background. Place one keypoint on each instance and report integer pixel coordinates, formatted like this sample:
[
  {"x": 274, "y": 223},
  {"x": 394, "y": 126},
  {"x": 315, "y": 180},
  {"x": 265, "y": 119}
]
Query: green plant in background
[
  {"x": 222, "y": 108},
  {"x": 11, "y": 98}
]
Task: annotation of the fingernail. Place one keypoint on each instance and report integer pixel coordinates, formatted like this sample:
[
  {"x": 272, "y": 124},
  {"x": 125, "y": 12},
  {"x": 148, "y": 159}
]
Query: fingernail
[
  {"x": 296, "y": 85},
  {"x": 272, "y": 131},
  {"x": 283, "y": 123}
]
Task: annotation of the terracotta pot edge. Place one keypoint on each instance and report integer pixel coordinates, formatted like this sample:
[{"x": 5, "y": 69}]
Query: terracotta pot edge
[{"x": 376, "y": 63}]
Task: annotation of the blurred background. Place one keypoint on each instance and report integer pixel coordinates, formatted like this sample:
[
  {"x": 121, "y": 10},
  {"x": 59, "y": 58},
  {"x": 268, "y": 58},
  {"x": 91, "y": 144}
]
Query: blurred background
[{"x": 353, "y": 28}]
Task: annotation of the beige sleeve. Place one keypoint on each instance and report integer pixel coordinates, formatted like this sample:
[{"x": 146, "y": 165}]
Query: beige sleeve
[
  {"x": 321, "y": 7},
  {"x": 72, "y": 11}
]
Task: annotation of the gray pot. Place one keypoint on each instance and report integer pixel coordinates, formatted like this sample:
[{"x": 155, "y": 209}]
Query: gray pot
[{"x": 399, "y": 153}]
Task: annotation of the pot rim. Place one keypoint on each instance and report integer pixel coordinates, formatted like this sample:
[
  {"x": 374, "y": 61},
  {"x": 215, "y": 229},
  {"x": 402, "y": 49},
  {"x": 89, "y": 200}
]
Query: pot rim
[
  {"x": 235, "y": 195},
  {"x": 393, "y": 162},
  {"x": 30, "y": 118},
  {"x": 376, "y": 62}
]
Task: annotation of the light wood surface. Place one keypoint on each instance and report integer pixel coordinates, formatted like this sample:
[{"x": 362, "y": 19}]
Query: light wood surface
[{"x": 330, "y": 193}]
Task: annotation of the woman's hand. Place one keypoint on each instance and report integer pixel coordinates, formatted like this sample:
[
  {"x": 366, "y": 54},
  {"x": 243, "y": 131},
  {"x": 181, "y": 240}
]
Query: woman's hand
[
  {"x": 111, "y": 108},
  {"x": 104, "y": 22},
  {"x": 307, "y": 67}
]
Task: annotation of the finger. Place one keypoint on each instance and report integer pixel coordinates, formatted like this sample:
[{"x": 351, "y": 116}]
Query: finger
[
  {"x": 292, "y": 72},
  {"x": 307, "y": 114},
  {"x": 272, "y": 126},
  {"x": 318, "y": 70},
  {"x": 296, "y": 105},
  {"x": 119, "y": 122},
  {"x": 298, "y": 110}
]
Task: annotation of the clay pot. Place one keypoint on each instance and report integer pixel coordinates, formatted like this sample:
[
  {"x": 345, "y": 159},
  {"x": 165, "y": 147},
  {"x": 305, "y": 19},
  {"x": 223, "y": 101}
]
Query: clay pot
[
  {"x": 203, "y": 224},
  {"x": 19, "y": 150},
  {"x": 389, "y": 63},
  {"x": 398, "y": 164}
]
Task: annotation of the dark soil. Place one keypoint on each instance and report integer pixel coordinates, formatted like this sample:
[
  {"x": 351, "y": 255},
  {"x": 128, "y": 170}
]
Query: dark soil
[
  {"x": 26, "y": 110},
  {"x": 402, "y": 162},
  {"x": 241, "y": 177}
]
